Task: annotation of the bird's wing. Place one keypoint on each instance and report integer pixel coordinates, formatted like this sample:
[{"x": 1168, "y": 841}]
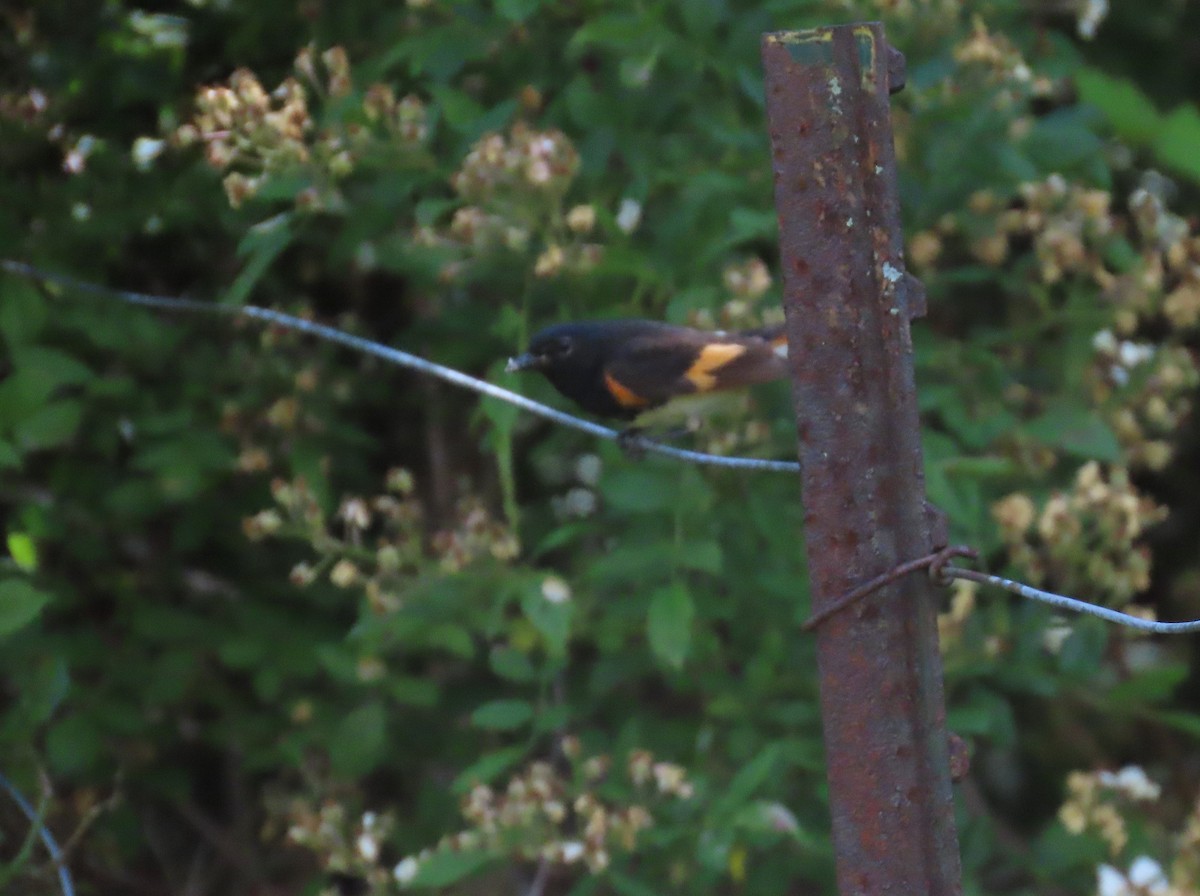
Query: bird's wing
[{"x": 655, "y": 367}]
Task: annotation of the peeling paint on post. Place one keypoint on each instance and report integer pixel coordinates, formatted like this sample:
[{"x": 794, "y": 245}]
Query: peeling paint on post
[{"x": 849, "y": 302}]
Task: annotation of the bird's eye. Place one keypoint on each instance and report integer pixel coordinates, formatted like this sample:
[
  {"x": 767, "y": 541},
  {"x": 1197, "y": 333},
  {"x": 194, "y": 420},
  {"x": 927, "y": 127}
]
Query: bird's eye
[{"x": 563, "y": 347}]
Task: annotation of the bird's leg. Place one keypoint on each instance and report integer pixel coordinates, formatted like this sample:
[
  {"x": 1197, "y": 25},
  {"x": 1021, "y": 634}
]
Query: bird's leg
[{"x": 632, "y": 442}]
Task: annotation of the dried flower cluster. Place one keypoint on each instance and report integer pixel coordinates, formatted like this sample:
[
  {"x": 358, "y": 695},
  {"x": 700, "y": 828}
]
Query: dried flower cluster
[
  {"x": 1083, "y": 542},
  {"x": 377, "y": 543},
  {"x": 1094, "y": 798},
  {"x": 477, "y": 535},
  {"x": 1102, "y": 804},
  {"x": 252, "y": 134},
  {"x": 543, "y": 814},
  {"x": 343, "y": 845},
  {"x": 1144, "y": 266},
  {"x": 514, "y": 186},
  {"x": 994, "y": 65},
  {"x": 1147, "y": 390}
]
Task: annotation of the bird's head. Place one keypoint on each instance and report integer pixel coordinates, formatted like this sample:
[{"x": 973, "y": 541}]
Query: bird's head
[{"x": 552, "y": 347}]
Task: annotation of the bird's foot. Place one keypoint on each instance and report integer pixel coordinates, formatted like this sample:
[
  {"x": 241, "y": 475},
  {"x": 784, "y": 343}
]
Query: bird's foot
[{"x": 632, "y": 442}]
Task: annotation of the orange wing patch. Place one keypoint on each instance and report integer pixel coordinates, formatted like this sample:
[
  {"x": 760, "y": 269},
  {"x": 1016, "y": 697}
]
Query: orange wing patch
[
  {"x": 714, "y": 356},
  {"x": 625, "y": 396}
]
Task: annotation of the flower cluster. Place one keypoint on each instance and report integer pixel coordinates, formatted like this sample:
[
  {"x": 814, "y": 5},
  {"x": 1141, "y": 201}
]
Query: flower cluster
[
  {"x": 992, "y": 60},
  {"x": 580, "y": 499},
  {"x": 344, "y": 845},
  {"x": 376, "y": 543},
  {"x": 1093, "y": 800},
  {"x": 507, "y": 169},
  {"x": 513, "y": 188},
  {"x": 544, "y": 814},
  {"x": 475, "y": 536},
  {"x": 1103, "y": 804},
  {"x": 1168, "y": 282},
  {"x": 1083, "y": 541},
  {"x": 251, "y": 134},
  {"x": 1148, "y": 390}
]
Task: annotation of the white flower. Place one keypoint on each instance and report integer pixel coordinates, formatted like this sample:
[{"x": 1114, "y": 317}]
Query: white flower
[
  {"x": 1147, "y": 875},
  {"x": 406, "y": 870},
  {"x": 1131, "y": 781},
  {"x": 556, "y": 590},
  {"x": 1094, "y": 12},
  {"x": 367, "y": 846},
  {"x": 588, "y": 468},
  {"x": 572, "y": 851},
  {"x": 145, "y": 151},
  {"x": 1111, "y": 882},
  {"x": 629, "y": 215},
  {"x": 1145, "y": 878},
  {"x": 1131, "y": 354}
]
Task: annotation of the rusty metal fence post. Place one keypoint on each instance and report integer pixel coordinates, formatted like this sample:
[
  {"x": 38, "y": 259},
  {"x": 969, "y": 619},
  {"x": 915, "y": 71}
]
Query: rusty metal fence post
[{"x": 849, "y": 303}]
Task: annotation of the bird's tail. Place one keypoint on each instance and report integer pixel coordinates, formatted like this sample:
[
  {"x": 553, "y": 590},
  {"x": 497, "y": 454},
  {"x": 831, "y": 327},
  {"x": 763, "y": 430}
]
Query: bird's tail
[{"x": 776, "y": 335}]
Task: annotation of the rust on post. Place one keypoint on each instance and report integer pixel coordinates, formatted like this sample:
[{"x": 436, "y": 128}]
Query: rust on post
[{"x": 849, "y": 302}]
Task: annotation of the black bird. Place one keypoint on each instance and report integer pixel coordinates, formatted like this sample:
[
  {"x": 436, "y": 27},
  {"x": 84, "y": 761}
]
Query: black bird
[{"x": 621, "y": 368}]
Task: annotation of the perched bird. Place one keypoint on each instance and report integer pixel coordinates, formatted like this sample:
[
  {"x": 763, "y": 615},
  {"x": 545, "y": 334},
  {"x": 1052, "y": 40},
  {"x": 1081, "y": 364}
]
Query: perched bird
[{"x": 621, "y": 368}]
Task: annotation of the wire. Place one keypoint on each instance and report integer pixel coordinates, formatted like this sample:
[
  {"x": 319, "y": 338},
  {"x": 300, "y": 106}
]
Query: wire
[
  {"x": 64, "y": 876},
  {"x": 1070, "y": 603},
  {"x": 402, "y": 359},
  {"x": 458, "y": 378}
]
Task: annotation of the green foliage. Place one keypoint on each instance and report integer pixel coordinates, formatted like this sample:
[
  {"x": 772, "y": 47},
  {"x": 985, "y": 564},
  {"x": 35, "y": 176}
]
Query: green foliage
[{"x": 260, "y": 587}]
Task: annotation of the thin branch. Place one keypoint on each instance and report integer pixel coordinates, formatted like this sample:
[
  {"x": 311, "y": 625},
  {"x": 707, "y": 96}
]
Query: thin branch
[{"x": 398, "y": 357}]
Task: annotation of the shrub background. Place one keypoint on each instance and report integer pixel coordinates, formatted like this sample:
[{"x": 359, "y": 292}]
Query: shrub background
[{"x": 257, "y": 586}]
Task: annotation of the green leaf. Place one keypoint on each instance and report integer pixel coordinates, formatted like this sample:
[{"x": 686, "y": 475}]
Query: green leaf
[
  {"x": 73, "y": 744},
  {"x": 459, "y": 110},
  {"x": 444, "y": 867},
  {"x": 1078, "y": 431},
  {"x": 517, "y": 10},
  {"x": 20, "y": 604},
  {"x": 23, "y": 551},
  {"x": 552, "y": 620},
  {"x": 262, "y": 244},
  {"x": 1187, "y": 722},
  {"x": 704, "y": 556},
  {"x": 631, "y": 490},
  {"x": 1178, "y": 143},
  {"x": 49, "y": 426},
  {"x": 1151, "y": 686},
  {"x": 23, "y": 311},
  {"x": 502, "y": 715},
  {"x": 748, "y": 779},
  {"x": 8, "y": 455},
  {"x": 1129, "y": 112},
  {"x": 53, "y": 367},
  {"x": 41, "y": 685},
  {"x": 669, "y": 624},
  {"x": 487, "y": 768},
  {"x": 512, "y": 664},
  {"x": 359, "y": 743}
]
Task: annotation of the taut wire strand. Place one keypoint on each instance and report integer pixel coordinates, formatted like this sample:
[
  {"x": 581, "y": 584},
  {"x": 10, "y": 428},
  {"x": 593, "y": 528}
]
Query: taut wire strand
[
  {"x": 400, "y": 358},
  {"x": 1069, "y": 603}
]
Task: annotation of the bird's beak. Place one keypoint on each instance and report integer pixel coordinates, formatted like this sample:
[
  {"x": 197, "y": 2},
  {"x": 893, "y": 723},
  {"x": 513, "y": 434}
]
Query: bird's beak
[{"x": 526, "y": 361}]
